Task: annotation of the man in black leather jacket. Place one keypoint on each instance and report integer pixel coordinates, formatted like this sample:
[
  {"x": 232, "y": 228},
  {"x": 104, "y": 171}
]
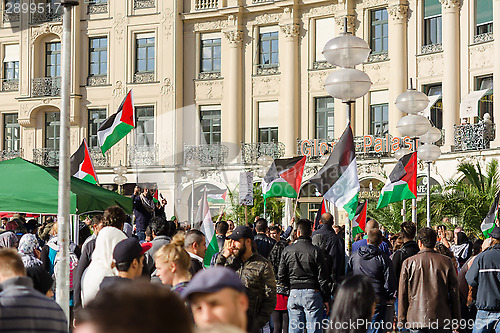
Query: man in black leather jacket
[{"x": 264, "y": 244}]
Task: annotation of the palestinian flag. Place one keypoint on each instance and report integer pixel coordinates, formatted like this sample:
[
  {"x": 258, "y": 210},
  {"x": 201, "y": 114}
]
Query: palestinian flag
[
  {"x": 338, "y": 180},
  {"x": 207, "y": 227},
  {"x": 489, "y": 221},
  {"x": 402, "y": 182},
  {"x": 81, "y": 164},
  {"x": 322, "y": 210},
  {"x": 284, "y": 177},
  {"x": 359, "y": 220},
  {"x": 118, "y": 125},
  {"x": 219, "y": 198}
]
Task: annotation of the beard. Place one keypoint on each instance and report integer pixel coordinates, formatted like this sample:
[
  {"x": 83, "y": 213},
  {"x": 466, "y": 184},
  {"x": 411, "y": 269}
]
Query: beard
[{"x": 238, "y": 253}]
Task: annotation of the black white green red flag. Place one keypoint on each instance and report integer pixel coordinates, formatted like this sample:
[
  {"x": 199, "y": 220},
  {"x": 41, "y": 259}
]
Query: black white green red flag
[
  {"x": 117, "y": 126},
  {"x": 359, "y": 220},
  {"x": 81, "y": 164},
  {"x": 338, "y": 179},
  {"x": 322, "y": 210},
  {"x": 489, "y": 221},
  {"x": 284, "y": 177},
  {"x": 217, "y": 198},
  {"x": 207, "y": 227},
  {"x": 402, "y": 182}
]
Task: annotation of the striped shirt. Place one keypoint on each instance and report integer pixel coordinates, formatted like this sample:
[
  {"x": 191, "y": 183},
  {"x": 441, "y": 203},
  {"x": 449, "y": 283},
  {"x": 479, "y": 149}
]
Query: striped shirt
[{"x": 23, "y": 309}]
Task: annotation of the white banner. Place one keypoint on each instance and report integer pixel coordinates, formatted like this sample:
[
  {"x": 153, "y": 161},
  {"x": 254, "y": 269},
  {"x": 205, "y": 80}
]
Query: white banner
[
  {"x": 469, "y": 105},
  {"x": 246, "y": 188}
]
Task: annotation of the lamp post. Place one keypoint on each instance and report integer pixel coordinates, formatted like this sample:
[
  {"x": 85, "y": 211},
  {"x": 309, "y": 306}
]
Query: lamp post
[
  {"x": 120, "y": 179},
  {"x": 413, "y": 125},
  {"x": 347, "y": 83},
  {"x": 192, "y": 174},
  {"x": 428, "y": 153},
  {"x": 265, "y": 162}
]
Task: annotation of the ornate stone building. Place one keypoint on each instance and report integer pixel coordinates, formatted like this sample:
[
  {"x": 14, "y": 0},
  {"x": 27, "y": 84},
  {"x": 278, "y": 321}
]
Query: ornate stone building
[{"x": 226, "y": 81}]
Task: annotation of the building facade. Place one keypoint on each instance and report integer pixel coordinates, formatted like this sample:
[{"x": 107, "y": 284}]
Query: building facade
[{"x": 226, "y": 81}]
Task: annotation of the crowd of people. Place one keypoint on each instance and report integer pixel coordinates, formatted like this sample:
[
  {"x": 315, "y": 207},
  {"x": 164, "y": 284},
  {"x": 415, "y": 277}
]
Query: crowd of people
[{"x": 263, "y": 279}]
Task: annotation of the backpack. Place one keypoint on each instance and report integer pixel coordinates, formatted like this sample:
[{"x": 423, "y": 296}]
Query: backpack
[{"x": 73, "y": 262}]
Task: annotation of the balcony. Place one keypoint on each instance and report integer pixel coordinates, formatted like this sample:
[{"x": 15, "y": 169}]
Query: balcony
[
  {"x": 473, "y": 136},
  {"x": 142, "y": 4},
  {"x": 48, "y": 157},
  {"x": 97, "y": 80},
  {"x": 98, "y": 158},
  {"x": 10, "y": 17},
  {"x": 250, "y": 152},
  {"x": 46, "y": 86},
  {"x": 431, "y": 48},
  {"x": 209, "y": 75},
  {"x": 482, "y": 38},
  {"x": 97, "y": 8},
  {"x": 10, "y": 154},
  {"x": 51, "y": 13},
  {"x": 142, "y": 155},
  {"x": 268, "y": 69},
  {"x": 208, "y": 155},
  {"x": 10, "y": 85},
  {"x": 206, "y": 4},
  {"x": 377, "y": 57},
  {"x": 322, "y": 65},
  {"x": 144, "y": 77}
]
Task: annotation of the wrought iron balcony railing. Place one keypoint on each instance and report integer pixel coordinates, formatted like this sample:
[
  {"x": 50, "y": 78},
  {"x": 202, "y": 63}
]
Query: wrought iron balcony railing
[
  {"x": 97, "y": 80},
  {"x": 48, "y": 157},
  {"x": 261, "y": 1},
  {"x": 376, "y": 57},
  {"x": 141, "y": 4},
  {"x": 208, "y": 155},
  {"x": 97, "y": 8},
  {"x": 473, "y": 136},
  {"x": 268, "y": 69},
  {"x": 322, "y": 65},
  {"x": 9, "y": 154},
  {"x": 9, "y": 17},
  {"x": 10, "y": 85},
  {"x": 209, "y": 75},
  {"x": 431, "y": 48},
  {"x": 51, "y": 13},
  {"x": 250, "y": 152},
  {"x": 144, "y": 77},
  {"x": 98, "y": 158},
  {"x": 142, "y": 155},
  {"x": 486, "y": 37},
  {"x": 206, "y": 4},
  {"x": 46, "y": 86}
]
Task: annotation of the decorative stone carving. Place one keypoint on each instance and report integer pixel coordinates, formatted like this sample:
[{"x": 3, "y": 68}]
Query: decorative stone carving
[
  {"x": 481, "y": 56},
  {"x": 234, "y": 36},
  {"x": 321, "y": 11},
  {"x": 317, "y": 80},
  {"x": 119, "y": 89},
  {"x": 167, "y": 86},
  {"x": 377, "y": 72},
  {"x": 373, "y": 3},
  {"x": 450, "y": 4},
  {"x": 351, "y": 22},
  {"x": 208, "y": 89},
  {"x": 399, "y": 12},
  {"x": 45, "y": 28},
  {"x": 167, "y": 20},
  {"x": 267, "y": 18},
  {"x": 266, "y": 85},
  {"x": 118, "y": 26},
  {"x": 430, "y": 65},
  {"x": 290, "y": 30},
  {"x": 212, "y": 25}
]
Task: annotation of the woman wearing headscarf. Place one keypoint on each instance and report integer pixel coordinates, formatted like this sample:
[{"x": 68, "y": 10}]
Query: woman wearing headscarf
[
  {"x": 28, "y": 249},
  {"x": 462, "y": 249},
  {"x": 8, "y": 239}
]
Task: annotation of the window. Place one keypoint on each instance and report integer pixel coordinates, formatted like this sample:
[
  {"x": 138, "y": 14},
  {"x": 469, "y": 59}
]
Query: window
[
  {"x": 145, "y": 53},
  {"x": 324, "y": 32},
  {"x": 379, "y": 31},
  {"x": 145, "y": 126},
  {"x": 268, "y": 48},
  {"x": 11, "y": 63},
  {"x": 11, "y": 132},
  {"x": 324, "y": 118},
  {"x": 210, "y": 118},
  {"x": 436, "y": 109},
  {"x": 210, "y": 55},
  {"x": 53, "y": 59},
  {"x": 52, "y": 129},
  {"x": 486, "y": 102},
  {"x": 98, "y": 57},
  {"x": 432, "y": 22},
  {"x": 379, "y": 119},
  {"x": 484, "y": 16},
  {"x": 96, "y": 117},
  {"x": 268, "y": 121}
]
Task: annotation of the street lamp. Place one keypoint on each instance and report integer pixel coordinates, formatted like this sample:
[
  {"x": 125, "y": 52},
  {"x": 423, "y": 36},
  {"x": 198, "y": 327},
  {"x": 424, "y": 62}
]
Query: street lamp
[
  {"x": 413, "y": 125},
  {"x": 192, "y": 174},
  {"x": 347, "y": 83},
  {"x": 429, "y": 152},
  {"x": 120, "y": 179}
]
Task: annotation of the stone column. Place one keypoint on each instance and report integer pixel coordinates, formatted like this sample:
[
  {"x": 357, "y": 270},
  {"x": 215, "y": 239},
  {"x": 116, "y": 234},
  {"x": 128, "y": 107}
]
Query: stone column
[
  {"x": 496, "y": 72},
  {"x": 451, "y": 69},
  {"x": 231, "y": 122},
  {"x": 289, "y": 99},
  {"x": 398, "y": 20}
]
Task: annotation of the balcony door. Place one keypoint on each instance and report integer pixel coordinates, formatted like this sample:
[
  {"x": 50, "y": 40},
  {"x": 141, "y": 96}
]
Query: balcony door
[
  {"x": 53, "y": 59},
  {"x": 52, "y": 130}
]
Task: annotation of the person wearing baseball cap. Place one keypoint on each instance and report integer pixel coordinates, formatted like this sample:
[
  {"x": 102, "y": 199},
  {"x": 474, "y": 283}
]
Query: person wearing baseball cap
[
  {"x": 128, "y": 259},
  {"x": 217, "y": 296}
]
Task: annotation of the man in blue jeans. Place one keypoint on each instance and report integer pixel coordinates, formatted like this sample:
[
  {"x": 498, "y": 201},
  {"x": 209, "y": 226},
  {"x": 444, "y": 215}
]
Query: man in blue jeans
[
  {"x": 302, "y": 270},
  {"x": 484, "y": 274}
]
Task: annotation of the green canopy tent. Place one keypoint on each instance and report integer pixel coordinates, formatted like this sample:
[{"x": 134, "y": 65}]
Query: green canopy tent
[{"x": 31, "y": 188}]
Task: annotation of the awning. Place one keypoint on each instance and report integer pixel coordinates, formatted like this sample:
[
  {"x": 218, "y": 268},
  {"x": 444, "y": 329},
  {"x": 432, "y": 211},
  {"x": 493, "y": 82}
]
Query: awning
[
  {"x": 432, "y": 100},
  {"x": 469, "y": 105}
]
